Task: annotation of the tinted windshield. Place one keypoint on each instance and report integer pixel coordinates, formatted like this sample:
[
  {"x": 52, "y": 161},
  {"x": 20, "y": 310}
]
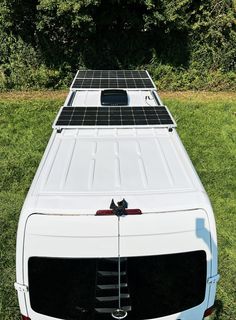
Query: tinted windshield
[{"x": 151, "y": 286}]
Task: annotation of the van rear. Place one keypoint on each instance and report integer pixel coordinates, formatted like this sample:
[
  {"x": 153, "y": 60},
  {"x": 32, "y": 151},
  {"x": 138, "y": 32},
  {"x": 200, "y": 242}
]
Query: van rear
[
  {"x": 71, "y": 265},
  {"x": 116, "y": 223}
]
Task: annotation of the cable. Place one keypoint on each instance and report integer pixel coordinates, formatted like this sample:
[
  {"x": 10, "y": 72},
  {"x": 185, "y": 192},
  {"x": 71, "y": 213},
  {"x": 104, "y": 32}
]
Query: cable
[
  {"x": 119, "y": 313},
  {"x": 148, "y": 98}
]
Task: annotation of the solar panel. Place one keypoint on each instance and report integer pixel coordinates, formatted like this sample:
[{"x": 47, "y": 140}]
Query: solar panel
[
  {"x": 112, "y": 79},
  {"x": 95, "y": 74},
  {"x": 114, "y": 116}
]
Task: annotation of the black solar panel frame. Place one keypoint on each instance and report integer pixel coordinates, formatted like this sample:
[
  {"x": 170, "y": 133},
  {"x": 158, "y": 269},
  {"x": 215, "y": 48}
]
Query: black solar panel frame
[{"x": 83, "y": 117}]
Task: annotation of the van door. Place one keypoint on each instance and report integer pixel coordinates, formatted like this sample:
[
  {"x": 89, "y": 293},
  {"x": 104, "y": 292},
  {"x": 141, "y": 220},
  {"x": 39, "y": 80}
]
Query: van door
[
  {"x": 168, "y": 262},
  {"x": 60, "y": 260}
]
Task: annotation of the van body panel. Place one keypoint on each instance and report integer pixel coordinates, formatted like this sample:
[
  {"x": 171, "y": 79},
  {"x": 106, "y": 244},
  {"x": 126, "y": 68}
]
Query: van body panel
[
  {"x": 22, "y": 302},
  {"x": 88, "y": 205},
  {"x": 41, "y": 229},
  {"x": 163, "y": 222},
  {"x": 130, "y": 160},
  {"x": 60, "y": 236},
  {"x": 146, "y": 166},
  {"x": 191, "y": 314}
]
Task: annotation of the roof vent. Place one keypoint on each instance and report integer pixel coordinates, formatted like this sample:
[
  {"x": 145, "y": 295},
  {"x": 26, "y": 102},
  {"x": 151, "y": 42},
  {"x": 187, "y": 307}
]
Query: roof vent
[{"x": 114, "y": 98}]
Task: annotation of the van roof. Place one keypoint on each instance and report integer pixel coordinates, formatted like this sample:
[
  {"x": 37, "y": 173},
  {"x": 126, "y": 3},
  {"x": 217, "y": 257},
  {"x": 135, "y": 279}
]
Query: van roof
[
  {"x": 85, "y": 166},
  {"x": 83, "y": 169}
]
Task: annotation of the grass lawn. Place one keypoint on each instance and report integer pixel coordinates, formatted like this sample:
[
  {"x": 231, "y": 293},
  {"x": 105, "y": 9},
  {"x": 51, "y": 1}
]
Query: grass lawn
[{"x": 207, "y": 126}]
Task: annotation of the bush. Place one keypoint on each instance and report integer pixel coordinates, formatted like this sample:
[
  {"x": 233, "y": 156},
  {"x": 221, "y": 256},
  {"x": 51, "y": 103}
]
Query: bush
[
  {"x": 170, "y": 78},
  {"x": 23, "y": 69},
  {"x": 185, "y": 44}
]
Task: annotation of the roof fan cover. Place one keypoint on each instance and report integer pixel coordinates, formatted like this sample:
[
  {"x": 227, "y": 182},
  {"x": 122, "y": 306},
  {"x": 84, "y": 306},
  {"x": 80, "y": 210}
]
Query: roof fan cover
[{"x": 114, "y": 98}]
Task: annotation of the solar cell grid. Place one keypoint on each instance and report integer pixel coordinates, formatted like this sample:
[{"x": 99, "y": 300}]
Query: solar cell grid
[
  {"x": 112, "y": 83},
  {"x": 101, "y": 74},
  {"x": 112, "y": 79},
  {"x": 107, "y": 116}
]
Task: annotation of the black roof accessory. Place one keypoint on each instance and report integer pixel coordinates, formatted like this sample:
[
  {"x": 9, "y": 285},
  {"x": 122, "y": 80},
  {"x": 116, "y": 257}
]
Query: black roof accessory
[
  {"x": 119, "y": 209},
  {"x": 114, "y": 98}
]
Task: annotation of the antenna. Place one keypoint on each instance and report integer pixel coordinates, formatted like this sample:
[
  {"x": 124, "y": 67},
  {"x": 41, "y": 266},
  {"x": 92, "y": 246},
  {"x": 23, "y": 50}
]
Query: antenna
[{"x": 119, "y": 211}]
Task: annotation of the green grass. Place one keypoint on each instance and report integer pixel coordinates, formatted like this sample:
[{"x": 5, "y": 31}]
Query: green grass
[{"x": 207, "y": 127}]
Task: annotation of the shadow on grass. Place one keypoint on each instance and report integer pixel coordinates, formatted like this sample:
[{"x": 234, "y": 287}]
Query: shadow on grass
[{"x": 218, "y": 309}]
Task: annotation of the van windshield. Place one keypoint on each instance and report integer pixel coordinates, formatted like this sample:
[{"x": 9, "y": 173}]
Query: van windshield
[{"x": 86, "y": 289}]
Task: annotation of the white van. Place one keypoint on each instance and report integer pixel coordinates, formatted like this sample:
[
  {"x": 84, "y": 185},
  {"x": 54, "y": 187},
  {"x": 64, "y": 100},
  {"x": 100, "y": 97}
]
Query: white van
[{"x": 116, "y": 223}]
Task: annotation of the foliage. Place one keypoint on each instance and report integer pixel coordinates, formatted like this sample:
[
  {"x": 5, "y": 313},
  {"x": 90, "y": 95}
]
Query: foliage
[
  {"x": 214, "y": 36},
  {"x": 209, "y": 140},
  {"x": 170, "y": 78},
  {"x": 51, "y": 39}
]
